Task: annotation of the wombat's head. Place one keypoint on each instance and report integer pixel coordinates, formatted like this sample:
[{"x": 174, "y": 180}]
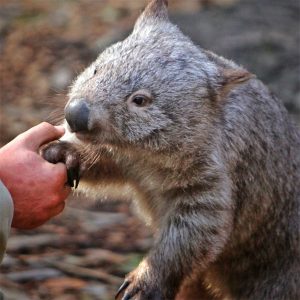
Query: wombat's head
[{"x": 153, "y": 89}]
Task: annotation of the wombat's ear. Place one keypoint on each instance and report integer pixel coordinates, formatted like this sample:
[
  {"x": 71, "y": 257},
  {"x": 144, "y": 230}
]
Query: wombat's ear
[
  {"x": 157, "y": 10},
  {"x": 230, "y": 78}
]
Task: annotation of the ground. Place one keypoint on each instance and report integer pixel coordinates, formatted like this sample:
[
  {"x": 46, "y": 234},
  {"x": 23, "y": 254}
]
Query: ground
[{"x": 85, "y": 252}]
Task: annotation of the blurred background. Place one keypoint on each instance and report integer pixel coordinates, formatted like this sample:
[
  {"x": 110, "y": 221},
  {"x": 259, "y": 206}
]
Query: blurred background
[{"x": 85, "y": 252}]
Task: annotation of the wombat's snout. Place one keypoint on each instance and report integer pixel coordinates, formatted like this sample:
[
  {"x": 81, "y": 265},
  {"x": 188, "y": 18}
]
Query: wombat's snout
[{"x": 77, "y": 115}]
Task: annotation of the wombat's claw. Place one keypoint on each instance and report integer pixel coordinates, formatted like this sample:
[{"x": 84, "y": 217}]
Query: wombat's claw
[
  {"x": 77, "y": 182},
  {"x": 127, "y": 297},
  {"x": 124, "y": 286},
  {"x": 73, "y": 177}
]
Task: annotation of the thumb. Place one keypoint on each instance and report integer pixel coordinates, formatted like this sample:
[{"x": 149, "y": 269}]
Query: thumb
[{"x": 41, "y": 134}]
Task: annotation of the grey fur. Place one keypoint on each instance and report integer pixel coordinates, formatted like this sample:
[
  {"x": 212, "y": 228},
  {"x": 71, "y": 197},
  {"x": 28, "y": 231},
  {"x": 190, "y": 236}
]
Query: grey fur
[{"x": 212, "y": 164}]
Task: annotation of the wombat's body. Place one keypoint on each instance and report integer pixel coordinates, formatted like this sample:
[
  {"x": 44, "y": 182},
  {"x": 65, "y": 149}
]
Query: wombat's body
[{"x": 208, "y": 155}]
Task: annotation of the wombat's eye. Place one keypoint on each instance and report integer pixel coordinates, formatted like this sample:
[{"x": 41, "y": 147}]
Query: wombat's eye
[
  {"x": 95, "y": 71},
  {"x": 139, "y": 100}
]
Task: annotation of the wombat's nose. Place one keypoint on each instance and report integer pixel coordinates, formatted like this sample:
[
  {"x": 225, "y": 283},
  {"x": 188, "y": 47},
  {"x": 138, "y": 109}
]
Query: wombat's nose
[{"x": 77, "y": 115}]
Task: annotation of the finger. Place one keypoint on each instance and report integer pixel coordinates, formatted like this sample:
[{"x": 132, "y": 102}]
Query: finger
[
  {"x": 57, "y": 209},
  {"x": 65, "y": 192},
  {"x": 41, "y": 134},
  {"x": 62, "y": 177},
  {"x": 44, "y": 217},
  {"x": 57, "y": 199},
  {"x": 58, "y": 173},
  {"x": 59, "y": 177}
]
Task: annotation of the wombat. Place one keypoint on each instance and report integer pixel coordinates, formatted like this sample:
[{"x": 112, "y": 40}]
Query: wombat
[{"x": 207, "y": 154}]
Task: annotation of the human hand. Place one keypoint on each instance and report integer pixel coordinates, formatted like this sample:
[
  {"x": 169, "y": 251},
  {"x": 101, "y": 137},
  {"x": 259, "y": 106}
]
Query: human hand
[{"x": 37, "y": 187}]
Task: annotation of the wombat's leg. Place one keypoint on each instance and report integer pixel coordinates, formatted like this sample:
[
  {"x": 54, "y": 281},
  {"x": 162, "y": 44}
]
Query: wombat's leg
[
  {"x": 66, "y": 153},
  {"x": 194, "y": 288},
  {"x": 191, "y": 235}
]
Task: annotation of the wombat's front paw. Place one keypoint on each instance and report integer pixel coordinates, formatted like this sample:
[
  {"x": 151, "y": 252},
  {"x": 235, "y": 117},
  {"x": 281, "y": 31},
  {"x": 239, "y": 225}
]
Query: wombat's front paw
[
  {"x": 64, "y": 152},
  {"x": 140, "y": 285}
]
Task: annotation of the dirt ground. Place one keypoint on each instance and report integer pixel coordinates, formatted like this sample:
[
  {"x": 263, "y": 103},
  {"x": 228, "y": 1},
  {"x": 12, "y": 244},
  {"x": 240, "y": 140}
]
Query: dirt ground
[{"x": 85, "y": 252}]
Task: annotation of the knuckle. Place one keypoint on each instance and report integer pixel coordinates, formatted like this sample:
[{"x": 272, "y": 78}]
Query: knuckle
[
  {"x": 60, "y": 169},
  {"x": 60, "y": 173},
  {"x": 61, "y": 208},
  {"x": 46, "y": 126},
  {"x": 55, "y": 200},
  {"x": 58, "y": 209},
  {"x": 66, "y": 192}
]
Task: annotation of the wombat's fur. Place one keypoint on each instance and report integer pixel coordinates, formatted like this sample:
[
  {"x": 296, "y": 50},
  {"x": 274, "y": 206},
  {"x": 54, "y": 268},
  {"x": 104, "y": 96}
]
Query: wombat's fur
[{"x": 208, "y": 155}]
